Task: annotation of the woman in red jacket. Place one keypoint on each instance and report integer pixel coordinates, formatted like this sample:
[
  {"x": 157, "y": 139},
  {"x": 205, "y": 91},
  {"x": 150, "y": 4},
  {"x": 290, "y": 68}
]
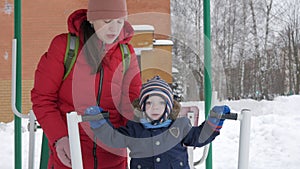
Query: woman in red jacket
[{"x": 97, "y": 78}]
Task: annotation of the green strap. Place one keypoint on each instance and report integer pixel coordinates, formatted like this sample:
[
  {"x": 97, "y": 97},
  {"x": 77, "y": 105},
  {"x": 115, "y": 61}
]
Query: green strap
[
  {"x": 125, "y": 57},
  {"x": 71, "y": 53}
]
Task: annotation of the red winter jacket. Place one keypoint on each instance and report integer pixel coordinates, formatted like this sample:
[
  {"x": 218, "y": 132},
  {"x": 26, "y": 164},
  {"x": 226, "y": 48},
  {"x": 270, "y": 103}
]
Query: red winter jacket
[{"x": 53, "y": 97}]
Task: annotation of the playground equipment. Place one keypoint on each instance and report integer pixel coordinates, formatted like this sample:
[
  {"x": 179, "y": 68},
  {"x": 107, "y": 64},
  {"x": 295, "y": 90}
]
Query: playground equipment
[
  {"x": 190, "y": 111},
  {"x": 244, "y": 117},
  {"x": 73, "y": 119}
]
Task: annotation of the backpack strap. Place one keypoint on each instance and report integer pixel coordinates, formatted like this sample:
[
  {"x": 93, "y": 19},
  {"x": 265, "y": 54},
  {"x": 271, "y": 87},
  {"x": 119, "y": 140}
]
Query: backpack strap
[
  {"x": 125, "y": 57},
  {"x": 71, "y": 53}
]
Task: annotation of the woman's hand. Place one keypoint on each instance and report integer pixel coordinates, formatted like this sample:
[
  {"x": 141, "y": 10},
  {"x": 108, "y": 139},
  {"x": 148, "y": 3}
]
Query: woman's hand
[{"x": 63, "y": 151}]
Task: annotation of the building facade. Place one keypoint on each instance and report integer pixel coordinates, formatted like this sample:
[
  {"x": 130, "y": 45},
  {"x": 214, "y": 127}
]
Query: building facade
[{"x": 41, "y": 21}]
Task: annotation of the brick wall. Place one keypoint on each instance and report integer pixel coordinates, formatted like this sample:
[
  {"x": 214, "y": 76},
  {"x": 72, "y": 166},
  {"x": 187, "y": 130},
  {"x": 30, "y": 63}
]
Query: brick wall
[
  {"x": 41, "y": 21},
  {"x": 6, "y": 114}
]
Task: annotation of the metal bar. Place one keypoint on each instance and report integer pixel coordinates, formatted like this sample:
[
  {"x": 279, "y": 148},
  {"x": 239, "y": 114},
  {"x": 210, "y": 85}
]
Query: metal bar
[
  {"x": 14, "y": 81},
  {"x": 190, "y": 150},
  {"x": 75, "y": 148},
  {"x": 32, "y": 129},
  {"x": 244, "y": 139},
  {"x": 230, "y": 116},
  {"x": 44, "y": 153},
  {"x": 207, "y": 69},
  {"x": 204, "y": 156},
  {"x": 18, "y": 94},
  {"x": 103, "y": 114}
]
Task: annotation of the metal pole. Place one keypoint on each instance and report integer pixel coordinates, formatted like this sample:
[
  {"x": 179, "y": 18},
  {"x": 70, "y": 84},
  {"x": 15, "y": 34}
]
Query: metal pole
[
  {"x": 14, "y": 82},
  {"x": 244, "y": 139},
  {"x": 190, "y": 149},
  {"x": 32, "y": 130},
  {"x": 73, "y": 119},
  {"x": 207, "y": 69},
  {"x": 17, "y": 120},
  {"x": 245, "y": 120},
  {"x": 44, "y": 152}
]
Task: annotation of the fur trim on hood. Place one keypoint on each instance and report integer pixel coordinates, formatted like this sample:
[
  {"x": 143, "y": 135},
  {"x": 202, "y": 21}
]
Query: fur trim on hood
[{"x": 138, "y": 112}]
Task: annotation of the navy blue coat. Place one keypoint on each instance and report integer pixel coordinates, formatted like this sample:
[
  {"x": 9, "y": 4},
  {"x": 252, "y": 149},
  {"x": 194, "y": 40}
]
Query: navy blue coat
[{"x": 161, "y": 148}]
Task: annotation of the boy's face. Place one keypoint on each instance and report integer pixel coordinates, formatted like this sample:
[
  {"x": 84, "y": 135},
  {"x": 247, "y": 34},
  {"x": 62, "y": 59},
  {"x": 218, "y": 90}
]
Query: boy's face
[{"x": 155, "y": 107}]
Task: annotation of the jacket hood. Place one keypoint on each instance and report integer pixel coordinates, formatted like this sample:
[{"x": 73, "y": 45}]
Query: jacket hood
[
  {"x": 138, "y": 112},
  {"x": 77, "y": 17}
]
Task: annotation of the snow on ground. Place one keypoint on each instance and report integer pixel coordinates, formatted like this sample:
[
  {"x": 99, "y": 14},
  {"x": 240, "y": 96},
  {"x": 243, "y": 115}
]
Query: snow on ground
[{"x": 274, "y": 143}]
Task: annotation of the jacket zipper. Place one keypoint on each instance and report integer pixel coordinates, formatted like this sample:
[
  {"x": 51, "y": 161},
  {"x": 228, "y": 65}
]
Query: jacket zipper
[
  {"x": 100, "y": 86},
  {"x": 98, "y": 102},
  {"x": 95, "y": 153}
]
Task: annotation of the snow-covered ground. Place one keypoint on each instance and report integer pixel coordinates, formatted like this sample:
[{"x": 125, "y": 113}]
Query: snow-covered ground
[{"x": 274, "y": 142}]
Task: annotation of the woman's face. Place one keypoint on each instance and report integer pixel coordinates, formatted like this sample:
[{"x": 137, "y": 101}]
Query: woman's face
[
  {"x": 108, "y": 30},
  {"x": 155, "y": 107}
]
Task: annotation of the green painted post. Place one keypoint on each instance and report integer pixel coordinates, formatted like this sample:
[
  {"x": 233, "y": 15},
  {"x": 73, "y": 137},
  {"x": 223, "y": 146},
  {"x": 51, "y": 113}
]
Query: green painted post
[
  {"x": 207, "y": 69},
  {"x": 17, "y": 120},
  {"x": 44, "y": 153}
]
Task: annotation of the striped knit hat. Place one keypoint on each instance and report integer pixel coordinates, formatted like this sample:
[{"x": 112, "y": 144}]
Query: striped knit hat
[{"x": 157, "y": 86}]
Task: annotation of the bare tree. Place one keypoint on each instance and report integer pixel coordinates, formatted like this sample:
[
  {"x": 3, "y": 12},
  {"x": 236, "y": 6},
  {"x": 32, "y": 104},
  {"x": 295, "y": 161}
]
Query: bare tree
[
  {"x": 255, "y": 45},
  {"x": 291, "y": 38},
  {"x": 257, "y": 76},
  {"x": 187, "y": 37}
]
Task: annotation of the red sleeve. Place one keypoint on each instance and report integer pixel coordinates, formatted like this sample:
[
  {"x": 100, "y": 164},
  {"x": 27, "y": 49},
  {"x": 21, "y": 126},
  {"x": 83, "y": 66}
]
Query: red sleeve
[
  {"x": 44, "y": 95},
  {"x": 131, "y": 86}
]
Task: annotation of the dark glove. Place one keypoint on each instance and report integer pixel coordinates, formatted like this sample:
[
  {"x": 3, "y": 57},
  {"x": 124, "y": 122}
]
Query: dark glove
[
  {"x": 94, "y": 110},
  {"x": 217, "y": 123}
]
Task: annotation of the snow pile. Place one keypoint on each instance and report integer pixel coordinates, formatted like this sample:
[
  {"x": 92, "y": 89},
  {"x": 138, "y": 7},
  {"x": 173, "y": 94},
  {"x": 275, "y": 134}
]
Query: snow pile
[{"x": 274, "y": 142}]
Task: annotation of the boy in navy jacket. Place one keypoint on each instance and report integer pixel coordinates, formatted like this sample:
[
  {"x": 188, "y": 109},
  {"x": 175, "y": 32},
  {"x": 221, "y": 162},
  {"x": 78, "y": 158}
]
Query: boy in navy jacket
[{"x": 157, "y": 138}]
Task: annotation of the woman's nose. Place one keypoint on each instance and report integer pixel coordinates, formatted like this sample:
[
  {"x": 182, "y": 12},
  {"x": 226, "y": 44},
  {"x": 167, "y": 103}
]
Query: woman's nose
[{"x": 113, "y": 26}]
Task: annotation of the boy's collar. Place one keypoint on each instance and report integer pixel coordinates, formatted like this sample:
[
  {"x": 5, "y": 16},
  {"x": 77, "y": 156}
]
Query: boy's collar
[{"x": 148, "y": 124}]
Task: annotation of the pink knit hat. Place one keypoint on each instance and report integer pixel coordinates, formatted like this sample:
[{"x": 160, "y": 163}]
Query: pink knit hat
[{"x": 106, "y": 9}]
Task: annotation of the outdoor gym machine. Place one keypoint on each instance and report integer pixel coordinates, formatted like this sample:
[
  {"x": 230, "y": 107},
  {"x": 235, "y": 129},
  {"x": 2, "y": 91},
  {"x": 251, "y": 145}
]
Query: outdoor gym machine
[
  {"x": 244, "y": 117},
  {"x": 73, "y": 119}
]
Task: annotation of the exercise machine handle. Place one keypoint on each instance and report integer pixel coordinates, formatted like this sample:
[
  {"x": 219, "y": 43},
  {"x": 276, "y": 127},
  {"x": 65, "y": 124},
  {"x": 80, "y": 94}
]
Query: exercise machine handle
[{"x": 230, "y": 116}]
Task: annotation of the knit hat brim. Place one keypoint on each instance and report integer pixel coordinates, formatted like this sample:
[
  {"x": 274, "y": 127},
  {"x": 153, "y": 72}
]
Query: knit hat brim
[
  {"x": 95, "y": 15},
  {"x": 104, "y": 9}
]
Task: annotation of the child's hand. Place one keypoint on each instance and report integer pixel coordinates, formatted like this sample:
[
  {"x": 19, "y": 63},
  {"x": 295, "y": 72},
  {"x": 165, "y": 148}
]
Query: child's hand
[
  {"x": 217, "y": 123},
  {"x": 94, "y": 110}
]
